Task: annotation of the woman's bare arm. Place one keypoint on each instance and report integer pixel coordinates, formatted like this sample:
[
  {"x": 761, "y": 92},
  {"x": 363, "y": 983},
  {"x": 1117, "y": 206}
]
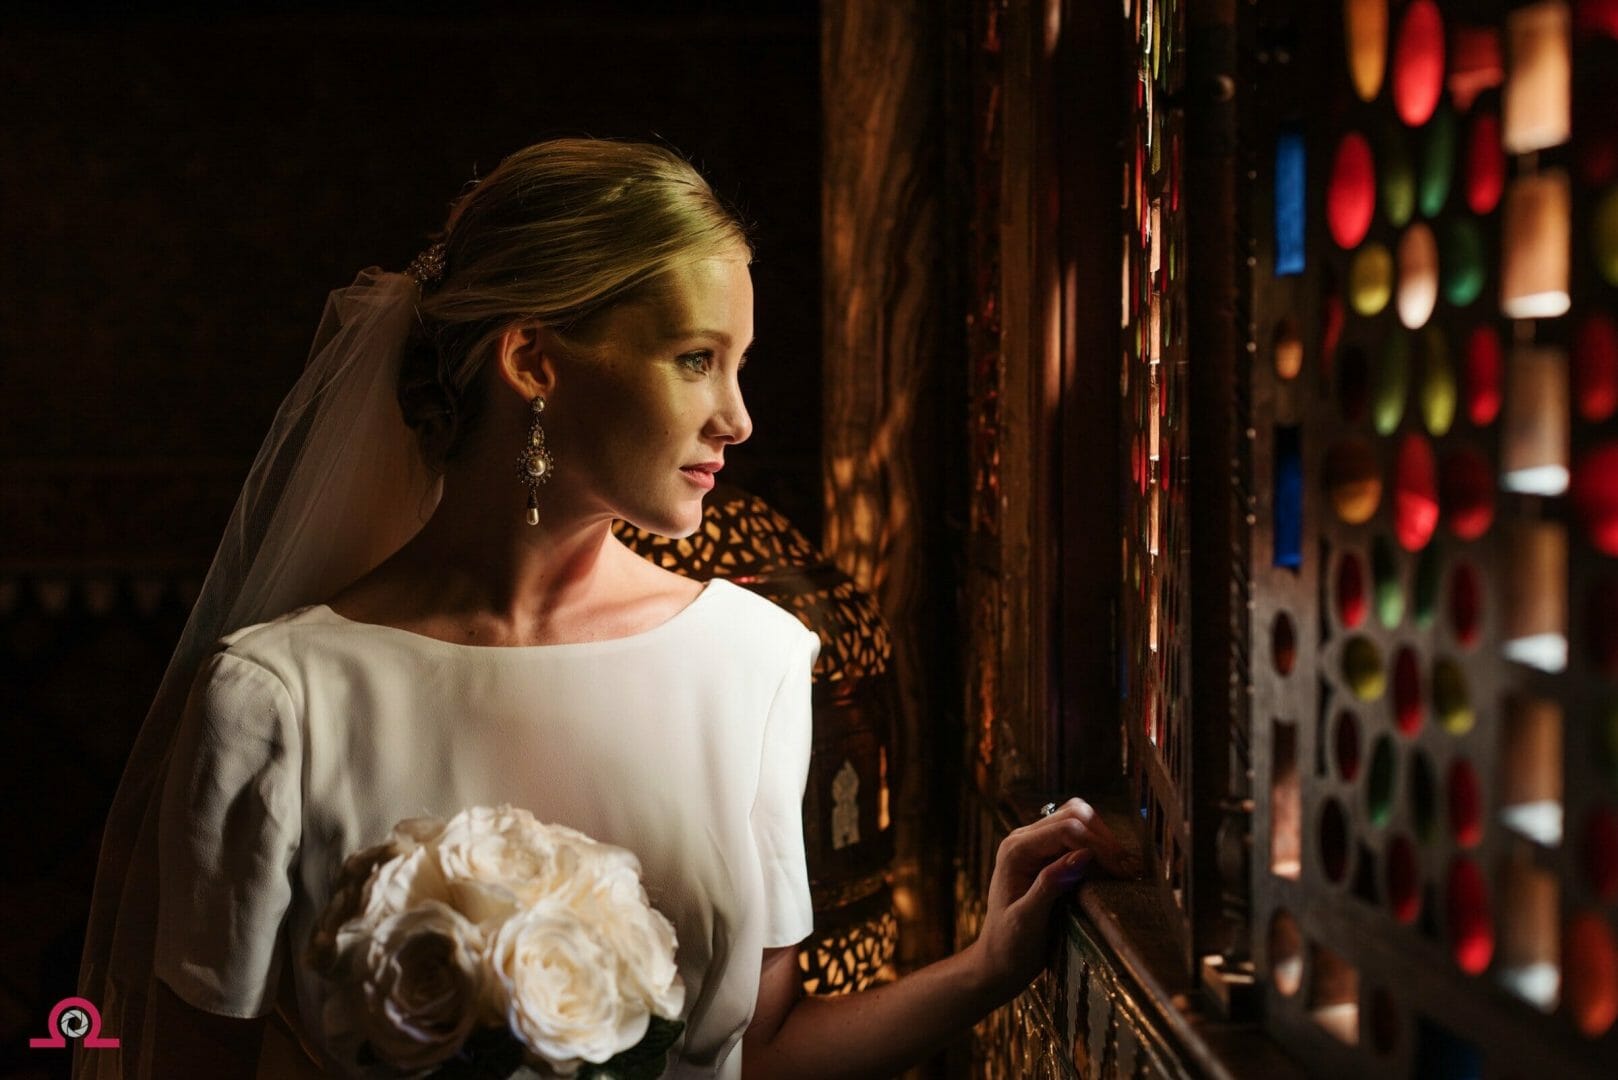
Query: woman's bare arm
[
  {"x": 881, "y": 1032},
  {"x": 877, "y": 1033},
  {"x": 188, "y": 1041}
]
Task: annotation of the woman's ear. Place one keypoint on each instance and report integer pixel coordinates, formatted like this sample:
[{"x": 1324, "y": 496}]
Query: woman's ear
[{"x": 523, "y": 357}]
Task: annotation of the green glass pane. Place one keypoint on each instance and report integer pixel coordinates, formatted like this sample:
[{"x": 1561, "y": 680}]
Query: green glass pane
[
  {"x": 1437, "y": 162},
  {"x": 1397, "y": 183},
  {"x": 1392, "y": 384},
  {"x": 1379, "y": 782},
  {"x": 1609, "y": 742},
  {"x": 1605, "y": 235},
  {"x": 1428, "y": 573},
  {"x": 1389, "y": 590},
  {"x": 1461, "y": 263},
  {"x": 1437, "y": 393}
]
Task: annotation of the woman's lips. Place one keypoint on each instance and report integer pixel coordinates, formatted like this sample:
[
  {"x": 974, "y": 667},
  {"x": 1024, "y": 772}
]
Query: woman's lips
[{"x": 701, "y": 476}]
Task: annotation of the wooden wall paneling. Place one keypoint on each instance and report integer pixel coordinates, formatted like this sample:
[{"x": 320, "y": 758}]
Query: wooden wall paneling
[
  {"x": 989, "y": 749},
  {"x": 885, "y": 322},
  {"x": 1220, "y": 505},
  {"x": 1091, "y": 97},
  {"x": 1030, "y": 393}
]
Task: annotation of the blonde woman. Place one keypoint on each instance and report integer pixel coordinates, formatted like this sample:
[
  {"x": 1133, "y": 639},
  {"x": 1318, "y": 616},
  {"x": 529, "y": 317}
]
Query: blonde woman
[{"x": 419, "y": 606}]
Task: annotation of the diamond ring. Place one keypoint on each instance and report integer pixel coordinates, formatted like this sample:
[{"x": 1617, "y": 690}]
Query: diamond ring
[{"x": 1047, "y": 810}]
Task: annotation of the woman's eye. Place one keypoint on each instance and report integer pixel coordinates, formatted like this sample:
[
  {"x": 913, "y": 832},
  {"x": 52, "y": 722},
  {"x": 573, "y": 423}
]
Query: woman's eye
[{"x": 699, "y": 361}]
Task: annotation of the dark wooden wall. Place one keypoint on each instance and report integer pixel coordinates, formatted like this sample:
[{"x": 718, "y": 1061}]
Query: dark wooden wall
[{"x": 181, "y": 188}]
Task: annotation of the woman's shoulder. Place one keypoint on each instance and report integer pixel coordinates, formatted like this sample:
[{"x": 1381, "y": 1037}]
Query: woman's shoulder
[
  {"x": 278, "y": 632},
  {"x": 277, "y": 645},
  {"x": 759, "y": 619}
]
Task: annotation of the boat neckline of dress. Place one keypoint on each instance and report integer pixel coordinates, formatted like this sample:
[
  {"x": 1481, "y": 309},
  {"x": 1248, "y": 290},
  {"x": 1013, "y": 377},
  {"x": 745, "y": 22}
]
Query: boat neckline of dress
[{"x": 600, "y": 643}]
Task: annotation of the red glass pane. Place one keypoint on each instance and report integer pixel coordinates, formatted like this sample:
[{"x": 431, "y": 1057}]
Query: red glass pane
[
  {"x": 1601, "y": 628},
  {"x": 1471, "y": 930},
  {"x": 1351, "y": 192},
  {"x": 1466, "y": 491},
  {"x": 1598, "y": 17},
  {"x": 1407, "y": 692},
  {"x": 1475, "y": 64},
  {"x": 1332, "y": 319},
  {"x": 1595, "y": 496},
  {"x": 1595, "y": 152},
  {"x": 1404, "y": 880},
  {"x": 1590, "y": 973},
  {"x": 1465, "y": 603},
  {"x": 1348, "y": 745},
  {"x": 1483, "y": 371},
  {"x": 1595, "y": 368},
  {"x": 1601, "y": 852},
  {"x": 1485, "y": 164},
  {"x": 1351, "y": 590},
  {"x": 1415, "y": 494},
  {"x": 1465, "y": 804},
  {"x": 1418, "y": 63}
]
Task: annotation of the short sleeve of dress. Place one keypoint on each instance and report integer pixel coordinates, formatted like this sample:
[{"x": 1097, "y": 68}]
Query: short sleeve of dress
[
  {"x": 228, "y": 832},
  {"x": 777, "y": 815}
]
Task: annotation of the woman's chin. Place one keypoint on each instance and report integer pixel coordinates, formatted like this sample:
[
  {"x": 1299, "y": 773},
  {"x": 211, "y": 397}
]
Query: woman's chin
[{"x": 671, "y": 525}]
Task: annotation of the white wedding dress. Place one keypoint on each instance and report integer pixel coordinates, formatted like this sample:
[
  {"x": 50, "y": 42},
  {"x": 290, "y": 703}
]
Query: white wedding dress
[{"x": 306, "y": 738}]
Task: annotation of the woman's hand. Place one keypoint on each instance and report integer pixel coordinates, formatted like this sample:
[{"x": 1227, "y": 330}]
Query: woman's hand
[
  {"x": 884, "y": 1030},
  {"x": 1033, "y": 866}
]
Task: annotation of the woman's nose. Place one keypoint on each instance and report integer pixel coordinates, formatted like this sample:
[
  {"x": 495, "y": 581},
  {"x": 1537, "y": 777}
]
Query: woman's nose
[{"x": 730, "y": 419}]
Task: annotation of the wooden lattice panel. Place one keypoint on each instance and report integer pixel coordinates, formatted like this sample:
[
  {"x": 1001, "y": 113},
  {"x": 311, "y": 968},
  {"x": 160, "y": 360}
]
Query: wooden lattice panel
[
  {"x": 1152, "y": 380},
  {"x": 743, "y": 539},
  {"x": 1435, "y": 584}
]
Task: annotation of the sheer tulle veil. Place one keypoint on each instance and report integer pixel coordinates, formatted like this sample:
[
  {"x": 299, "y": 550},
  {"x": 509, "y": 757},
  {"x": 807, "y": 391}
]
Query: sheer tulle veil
[{"x": 338, "y": 485}]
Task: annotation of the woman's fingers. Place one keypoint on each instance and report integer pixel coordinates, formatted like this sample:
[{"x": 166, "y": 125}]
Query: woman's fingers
[
  {"x": 1072, "y": 826},
  {"x": 1079, "y": 810},
  {"x": 1056, "y": 880},
  {"x": 1062, "y": 874}
]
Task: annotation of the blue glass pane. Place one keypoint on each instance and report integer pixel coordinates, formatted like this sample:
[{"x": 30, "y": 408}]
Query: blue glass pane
[
  {"x": 1289, "y": 204},
  {"x": 1288, "y": 497}
]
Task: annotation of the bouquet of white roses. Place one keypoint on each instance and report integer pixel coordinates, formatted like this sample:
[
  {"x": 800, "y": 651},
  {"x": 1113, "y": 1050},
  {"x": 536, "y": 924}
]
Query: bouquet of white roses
[{"x": 473, "y": 947}]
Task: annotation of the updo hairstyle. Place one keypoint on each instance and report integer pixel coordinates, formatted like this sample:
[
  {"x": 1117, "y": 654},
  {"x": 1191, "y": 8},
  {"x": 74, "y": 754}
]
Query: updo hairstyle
[{"x": 560, "y": 232}]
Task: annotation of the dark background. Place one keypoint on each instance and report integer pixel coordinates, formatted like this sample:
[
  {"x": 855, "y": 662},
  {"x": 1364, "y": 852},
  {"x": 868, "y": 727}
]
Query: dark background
[{"x": 179, "y": 189}]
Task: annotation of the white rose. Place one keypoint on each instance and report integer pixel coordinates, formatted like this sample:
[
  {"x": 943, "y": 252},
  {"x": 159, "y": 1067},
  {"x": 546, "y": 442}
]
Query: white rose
[
  {"x": 411, "y": 833},
  {"x": 352, "y": 892},
  {"x": 509, "y": 849},
  {"x": 347, "y": 897},
  {"x": 403, "y": 882},
  {"x": 643, "y": 942},
  {"x": 420, "y": 988},
  {"x": 561, "y": 989}
]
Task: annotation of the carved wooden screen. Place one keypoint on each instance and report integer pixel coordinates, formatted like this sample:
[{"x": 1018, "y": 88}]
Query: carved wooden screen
[
  {"x": 1154, "y": 607},
  {"x": 1435, "y": 620}
]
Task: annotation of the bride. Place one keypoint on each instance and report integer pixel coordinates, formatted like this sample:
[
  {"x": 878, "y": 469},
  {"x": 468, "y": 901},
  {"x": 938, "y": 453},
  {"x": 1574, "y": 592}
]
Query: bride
[{"x": 419, "y": 606}]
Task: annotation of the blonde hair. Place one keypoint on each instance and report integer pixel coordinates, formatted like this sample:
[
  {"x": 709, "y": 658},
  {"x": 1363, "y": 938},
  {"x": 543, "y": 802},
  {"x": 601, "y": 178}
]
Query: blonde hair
[{"x": 560, "y": 232}]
